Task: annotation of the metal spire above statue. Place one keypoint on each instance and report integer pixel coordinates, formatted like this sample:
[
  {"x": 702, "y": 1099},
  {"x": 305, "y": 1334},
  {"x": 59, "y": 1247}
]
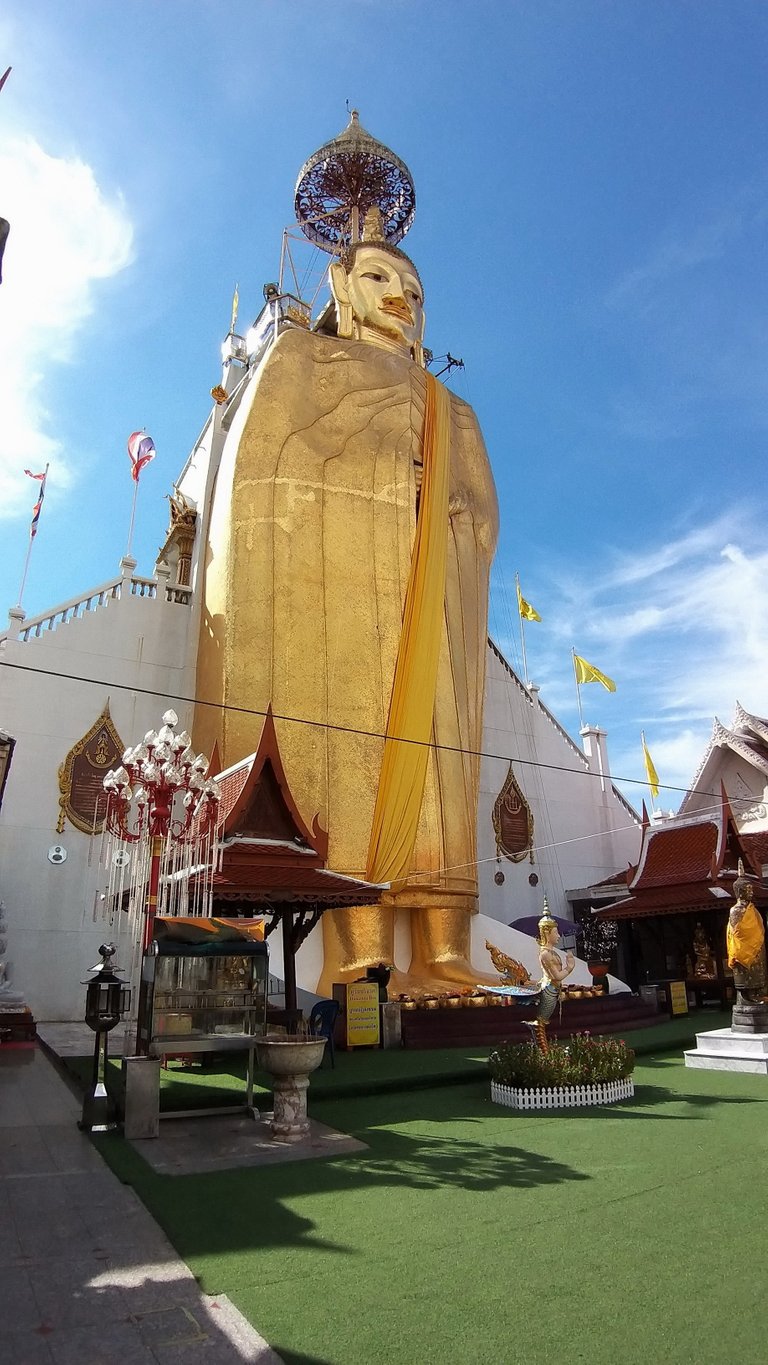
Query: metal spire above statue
[{"x": 345, "y": 178}]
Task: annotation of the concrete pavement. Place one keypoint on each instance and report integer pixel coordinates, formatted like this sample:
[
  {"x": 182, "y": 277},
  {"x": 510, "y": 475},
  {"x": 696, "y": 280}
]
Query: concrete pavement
[{"x": 88, "y": 1277}]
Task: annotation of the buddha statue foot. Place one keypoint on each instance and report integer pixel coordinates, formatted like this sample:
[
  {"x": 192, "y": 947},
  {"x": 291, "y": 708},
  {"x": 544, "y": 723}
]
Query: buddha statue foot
[
  {"x": 431, "y": 981},
  {"x": 456, "y": 972},
  {"x": 415, "y": 984}
]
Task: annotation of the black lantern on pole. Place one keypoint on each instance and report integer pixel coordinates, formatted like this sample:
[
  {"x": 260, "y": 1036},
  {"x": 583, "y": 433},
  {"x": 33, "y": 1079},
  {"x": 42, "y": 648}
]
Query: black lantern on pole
[{"x": 107, "y": 999}]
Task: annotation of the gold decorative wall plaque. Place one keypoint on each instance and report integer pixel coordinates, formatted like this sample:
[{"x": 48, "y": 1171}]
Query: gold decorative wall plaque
[
  {"x": 513, "y": 822},
  {"x": 81, "y": 776}
]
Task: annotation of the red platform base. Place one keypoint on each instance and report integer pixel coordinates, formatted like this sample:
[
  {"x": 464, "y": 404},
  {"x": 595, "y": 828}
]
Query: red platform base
[
  {"x": 489, "y": 1024},
  {"x": 17, "y": 1026}
]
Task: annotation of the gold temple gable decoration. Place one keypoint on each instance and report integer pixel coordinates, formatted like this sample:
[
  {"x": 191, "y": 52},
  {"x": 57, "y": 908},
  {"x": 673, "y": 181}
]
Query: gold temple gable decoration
[
  {"x": 180, "y": 537},
  {"x": 513, "y": 822},
  {"x": 81, "y": 776}
]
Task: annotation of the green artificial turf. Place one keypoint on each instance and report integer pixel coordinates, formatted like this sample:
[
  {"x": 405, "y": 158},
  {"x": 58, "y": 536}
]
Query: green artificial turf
[
  {"x": 467, "y": 1232},
  {"x": 364, "y": 1071},
  {"x": 368, "y": 1072}
]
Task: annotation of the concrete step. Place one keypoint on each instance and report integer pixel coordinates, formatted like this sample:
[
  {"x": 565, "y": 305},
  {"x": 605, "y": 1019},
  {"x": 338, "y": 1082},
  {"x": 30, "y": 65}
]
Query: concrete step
[
  {"x": 725, "y": 1041},
  {"x": 748, "y": 1063}
]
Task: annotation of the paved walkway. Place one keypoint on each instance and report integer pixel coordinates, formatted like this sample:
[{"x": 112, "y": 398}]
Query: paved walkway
[{"x": 87, "y": 1276}]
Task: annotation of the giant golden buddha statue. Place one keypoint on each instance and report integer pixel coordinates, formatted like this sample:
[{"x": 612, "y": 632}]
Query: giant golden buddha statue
[{"x": 350, "y": 539}]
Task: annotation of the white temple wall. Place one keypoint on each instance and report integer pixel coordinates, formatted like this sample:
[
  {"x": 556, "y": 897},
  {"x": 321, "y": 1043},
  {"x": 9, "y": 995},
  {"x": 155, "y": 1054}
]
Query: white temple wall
[
  {"x": 130, "y": 643},
  {"x": 139, "y": 652},
  {"x": 583, "y": 830}
]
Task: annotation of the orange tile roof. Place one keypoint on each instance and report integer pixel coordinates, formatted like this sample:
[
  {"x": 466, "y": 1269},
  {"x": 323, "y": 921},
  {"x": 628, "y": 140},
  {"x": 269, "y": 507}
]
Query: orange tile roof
[
  {"x": 232, "y": 784},
  {"x": 666, "y": 900},
  {"x": 678, "y": 853},
  {"x": 265, "y": 882}
]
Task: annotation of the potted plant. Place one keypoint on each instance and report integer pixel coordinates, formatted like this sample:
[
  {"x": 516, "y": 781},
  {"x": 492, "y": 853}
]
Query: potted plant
[
  {"x": 290, "y": 1059},
  {"x": 582, "y": 1071}
]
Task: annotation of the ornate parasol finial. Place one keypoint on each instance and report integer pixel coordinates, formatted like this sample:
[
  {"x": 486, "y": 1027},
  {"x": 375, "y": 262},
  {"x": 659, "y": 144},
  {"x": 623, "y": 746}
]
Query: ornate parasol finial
[{"x": 346, "y": 178}]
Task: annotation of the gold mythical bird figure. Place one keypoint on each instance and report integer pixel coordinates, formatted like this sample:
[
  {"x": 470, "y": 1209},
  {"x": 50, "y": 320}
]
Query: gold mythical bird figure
[{"x": 512, "y": 973}]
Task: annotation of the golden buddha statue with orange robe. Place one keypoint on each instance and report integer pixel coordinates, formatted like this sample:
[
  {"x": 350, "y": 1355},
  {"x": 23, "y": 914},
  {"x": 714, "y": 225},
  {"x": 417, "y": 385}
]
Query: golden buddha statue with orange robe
[
  {"x": 746, "y": 945},
  {"x": 350, "y": 539}
]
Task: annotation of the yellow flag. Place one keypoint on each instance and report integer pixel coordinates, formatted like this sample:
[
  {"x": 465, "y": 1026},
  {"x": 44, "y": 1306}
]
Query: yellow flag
[
  {"x": 527, "y": 612},
  {"x": 653, "y": 776},
  {"x": 235, "y": 306},
  {"x": 587, "y": 673}
]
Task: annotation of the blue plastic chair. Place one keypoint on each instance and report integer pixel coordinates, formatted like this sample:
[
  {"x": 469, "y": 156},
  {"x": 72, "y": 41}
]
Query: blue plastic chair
[{"x": 322, "y": 1022}]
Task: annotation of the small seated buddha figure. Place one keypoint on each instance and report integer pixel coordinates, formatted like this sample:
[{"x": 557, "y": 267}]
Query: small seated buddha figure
[
  {"x": 704, "y": 968},
  {"x": 746, "y": 958}
]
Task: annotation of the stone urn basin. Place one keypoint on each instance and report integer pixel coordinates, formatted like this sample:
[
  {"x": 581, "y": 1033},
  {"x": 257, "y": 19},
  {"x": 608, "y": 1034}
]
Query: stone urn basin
[{"x": 290, "y": 1062}]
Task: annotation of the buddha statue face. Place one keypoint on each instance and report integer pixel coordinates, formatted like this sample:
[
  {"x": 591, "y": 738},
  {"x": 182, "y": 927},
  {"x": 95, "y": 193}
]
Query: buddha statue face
[
  {"x": 379, "y": 299},
  {"x": 744, "y": 890}
]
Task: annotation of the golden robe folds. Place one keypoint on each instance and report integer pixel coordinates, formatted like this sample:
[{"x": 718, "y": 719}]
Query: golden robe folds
[{"x": 312, "y": 522}]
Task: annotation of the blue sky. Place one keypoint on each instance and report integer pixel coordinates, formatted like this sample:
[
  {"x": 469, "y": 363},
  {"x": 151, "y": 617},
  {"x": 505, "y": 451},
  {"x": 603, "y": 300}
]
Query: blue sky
[{"x": 592, "y": 199}]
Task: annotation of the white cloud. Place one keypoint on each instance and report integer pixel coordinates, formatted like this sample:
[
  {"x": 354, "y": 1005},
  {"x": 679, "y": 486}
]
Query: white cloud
[
  {"x": 685, "y": 248},
  {"x": 66, "y": 235},
  {"x": 682, "y": 626}
]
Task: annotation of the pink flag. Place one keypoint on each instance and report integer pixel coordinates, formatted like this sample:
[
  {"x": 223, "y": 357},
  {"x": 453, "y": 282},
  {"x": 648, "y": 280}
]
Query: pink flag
[
  {"x": 38, "y": 505},
  {"x": 141, "y": 449}
]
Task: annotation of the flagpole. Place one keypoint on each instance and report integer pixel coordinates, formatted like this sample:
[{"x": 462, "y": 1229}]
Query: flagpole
[
  {"x": 29, "y": 546},
  {"x": 522, "y": 629},
  {"x": 578, "y": 688},
  {"x": 24, "y": 575},
  {"x": 133, "y": 517}
]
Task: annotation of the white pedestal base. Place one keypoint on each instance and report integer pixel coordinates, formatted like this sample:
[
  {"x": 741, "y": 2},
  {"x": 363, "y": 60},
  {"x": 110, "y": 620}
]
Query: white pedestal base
[{"x": 724, "y": 1050}]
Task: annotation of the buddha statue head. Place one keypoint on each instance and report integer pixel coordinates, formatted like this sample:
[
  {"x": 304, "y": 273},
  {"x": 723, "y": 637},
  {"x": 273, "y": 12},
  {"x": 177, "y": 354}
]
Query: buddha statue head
[
  {"x": 743, "y": 890},
  {"x": 743, "y": 887},
  {"x": 378, "y": 293}
]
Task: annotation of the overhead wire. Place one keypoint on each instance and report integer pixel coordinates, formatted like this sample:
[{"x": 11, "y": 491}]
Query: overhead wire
[{"x": 341, "y": 729}]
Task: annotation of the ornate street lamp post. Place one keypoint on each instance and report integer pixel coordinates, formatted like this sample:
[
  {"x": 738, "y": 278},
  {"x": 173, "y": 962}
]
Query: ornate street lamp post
[
  {"x": 107, "y": 1000},
  {"x": 161, "y": 797}
]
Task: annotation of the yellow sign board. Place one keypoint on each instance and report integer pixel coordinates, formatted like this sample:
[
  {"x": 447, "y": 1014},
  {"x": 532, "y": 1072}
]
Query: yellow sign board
[
  {"x": 363, "y": 1029},
  {"x": 678, "y": 997}
]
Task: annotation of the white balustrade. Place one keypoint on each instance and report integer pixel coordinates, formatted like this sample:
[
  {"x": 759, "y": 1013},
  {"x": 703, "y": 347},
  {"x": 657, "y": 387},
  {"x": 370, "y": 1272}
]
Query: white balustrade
[{"x": 112, "y": 591}]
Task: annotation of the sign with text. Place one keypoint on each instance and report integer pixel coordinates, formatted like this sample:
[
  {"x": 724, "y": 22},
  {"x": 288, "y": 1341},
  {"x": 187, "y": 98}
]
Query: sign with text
[
  {"x": 362, "y": 1012},
  {"x": 678, "y": 997}
]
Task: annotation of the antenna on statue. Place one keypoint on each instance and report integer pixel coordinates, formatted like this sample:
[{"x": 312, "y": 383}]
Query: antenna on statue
[{"x": 451, "y": 364}]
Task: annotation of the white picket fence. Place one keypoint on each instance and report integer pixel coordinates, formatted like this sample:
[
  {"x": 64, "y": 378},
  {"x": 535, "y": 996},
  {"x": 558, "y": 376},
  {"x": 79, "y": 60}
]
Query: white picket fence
[{"x": 562, "y": 1096}]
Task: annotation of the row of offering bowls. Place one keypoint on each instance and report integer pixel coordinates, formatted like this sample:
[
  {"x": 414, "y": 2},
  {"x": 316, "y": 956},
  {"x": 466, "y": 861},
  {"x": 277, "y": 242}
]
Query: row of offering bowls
[{"x": 478, "y": 1000}]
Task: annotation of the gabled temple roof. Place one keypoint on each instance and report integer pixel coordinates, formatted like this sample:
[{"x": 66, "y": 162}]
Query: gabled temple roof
[
  {"x": 271, "y": 857},
  {"x": 675, "y": 853},
  {"x": 747, "y": 736},
  {"x": 256, "y": 801},
  {"x": 687, "y": 864}
]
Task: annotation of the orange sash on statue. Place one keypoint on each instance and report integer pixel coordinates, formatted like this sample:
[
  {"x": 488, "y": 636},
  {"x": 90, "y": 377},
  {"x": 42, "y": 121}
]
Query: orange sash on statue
[
  {"x": 746, "y": 939},
  {"x": 411, "y": 710}
]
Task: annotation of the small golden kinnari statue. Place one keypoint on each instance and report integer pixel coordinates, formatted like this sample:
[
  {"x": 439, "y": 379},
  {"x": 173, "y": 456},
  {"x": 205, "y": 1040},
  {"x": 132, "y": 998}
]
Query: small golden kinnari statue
[
  {"x": 553, "y": 974},
  {"x": 544, "y": 994},
  {"x": 746, "y": 958}
]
